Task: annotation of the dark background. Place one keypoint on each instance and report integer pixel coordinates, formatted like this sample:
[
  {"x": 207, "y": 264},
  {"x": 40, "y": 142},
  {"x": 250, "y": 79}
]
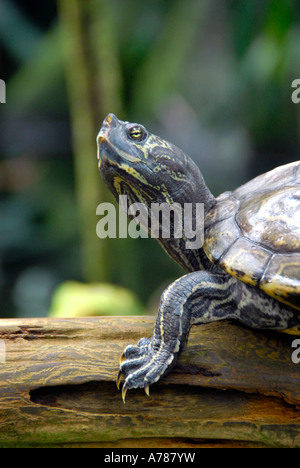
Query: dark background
[{"x": 212, "y": 77}]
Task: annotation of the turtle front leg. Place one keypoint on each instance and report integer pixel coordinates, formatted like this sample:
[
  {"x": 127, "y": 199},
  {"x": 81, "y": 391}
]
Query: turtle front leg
[{"x": 197, "y": 297}]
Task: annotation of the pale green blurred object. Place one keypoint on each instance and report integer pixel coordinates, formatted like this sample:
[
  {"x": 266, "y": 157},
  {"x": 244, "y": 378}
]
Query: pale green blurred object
[{"x": 74, "y": 299}]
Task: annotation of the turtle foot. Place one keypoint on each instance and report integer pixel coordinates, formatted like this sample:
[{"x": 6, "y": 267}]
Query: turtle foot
[{"x": 142, "y": 365}]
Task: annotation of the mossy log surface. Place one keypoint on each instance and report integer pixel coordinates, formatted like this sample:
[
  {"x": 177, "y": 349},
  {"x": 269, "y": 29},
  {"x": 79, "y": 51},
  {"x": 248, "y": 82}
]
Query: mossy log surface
[{"x": 231, "y": 387}]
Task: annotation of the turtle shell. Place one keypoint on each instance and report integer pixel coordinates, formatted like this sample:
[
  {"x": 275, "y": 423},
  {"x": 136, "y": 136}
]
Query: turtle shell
[{"x": 253, "y": 233}]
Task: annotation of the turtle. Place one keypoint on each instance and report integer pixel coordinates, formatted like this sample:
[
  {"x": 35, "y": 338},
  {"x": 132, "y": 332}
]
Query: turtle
[{"x": 247, "y": 268}]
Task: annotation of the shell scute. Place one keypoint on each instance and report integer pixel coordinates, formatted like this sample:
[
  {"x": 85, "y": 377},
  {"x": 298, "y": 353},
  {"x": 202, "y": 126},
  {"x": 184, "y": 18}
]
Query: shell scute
[
  {"x": 256, "y": 237},
  {"x": 246, "y": 261},
  {"x": 215, "y": 245},
  {"x": 281, "y": 279}
]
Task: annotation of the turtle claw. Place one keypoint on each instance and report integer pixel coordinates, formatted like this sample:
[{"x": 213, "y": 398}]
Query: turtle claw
[
  {"x": 146, "y": 388},
  {"x": 119, "y": 379},
  {"x": 125, "y": 388},
  {"x": 124, "y": 391},
  {"x": 122, "y": 358}
]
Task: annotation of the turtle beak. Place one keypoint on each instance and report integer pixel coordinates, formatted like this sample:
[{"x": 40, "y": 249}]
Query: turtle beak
[
  {"x": 109, "y": 121},
  {"x": 100, "y": 139}
]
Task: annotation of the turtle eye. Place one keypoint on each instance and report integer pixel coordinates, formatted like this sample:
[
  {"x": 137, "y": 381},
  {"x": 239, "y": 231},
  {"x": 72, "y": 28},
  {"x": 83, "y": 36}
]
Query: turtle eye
[{"x": 136, "y": 133}]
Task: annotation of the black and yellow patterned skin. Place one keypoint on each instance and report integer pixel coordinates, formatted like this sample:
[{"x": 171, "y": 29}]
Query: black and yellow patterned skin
[{"x": 249, "y": 266}]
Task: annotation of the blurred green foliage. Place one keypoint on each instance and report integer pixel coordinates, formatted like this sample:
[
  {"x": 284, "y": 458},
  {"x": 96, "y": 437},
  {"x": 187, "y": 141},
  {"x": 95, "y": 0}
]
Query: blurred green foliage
[
  {"x": 74, "y": 299},
  {"x": 213, "y": 77}
]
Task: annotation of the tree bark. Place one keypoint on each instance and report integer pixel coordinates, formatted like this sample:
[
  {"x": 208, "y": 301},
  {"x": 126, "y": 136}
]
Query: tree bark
[{"x": 231, "y": 387}]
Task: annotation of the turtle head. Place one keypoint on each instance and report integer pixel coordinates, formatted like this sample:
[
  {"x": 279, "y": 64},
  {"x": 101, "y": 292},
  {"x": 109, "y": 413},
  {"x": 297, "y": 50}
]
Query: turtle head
[
  {"x": 150, "y": 170},
  {"x": 146, "y": 168}
]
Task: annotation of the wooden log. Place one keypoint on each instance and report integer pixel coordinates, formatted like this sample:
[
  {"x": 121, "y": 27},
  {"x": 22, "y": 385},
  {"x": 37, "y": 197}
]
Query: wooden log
[{"x": 231, "y": 387}]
